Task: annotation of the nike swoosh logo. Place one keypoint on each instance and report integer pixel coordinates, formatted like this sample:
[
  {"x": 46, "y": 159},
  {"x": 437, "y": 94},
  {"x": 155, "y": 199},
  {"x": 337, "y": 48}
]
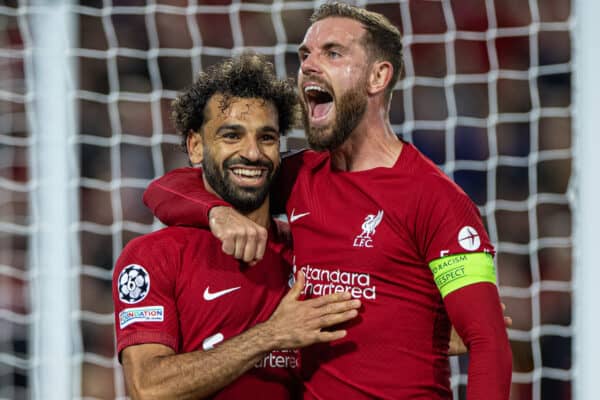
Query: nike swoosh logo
[
  {"x": 208, "y": 296},
  {"x": 297, "y": 216}
]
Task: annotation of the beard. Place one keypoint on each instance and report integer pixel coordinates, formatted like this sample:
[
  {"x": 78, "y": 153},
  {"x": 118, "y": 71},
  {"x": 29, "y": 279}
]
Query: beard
[
  {"x": 350, "y": 109},
  {"x": 244, "y": 199}
]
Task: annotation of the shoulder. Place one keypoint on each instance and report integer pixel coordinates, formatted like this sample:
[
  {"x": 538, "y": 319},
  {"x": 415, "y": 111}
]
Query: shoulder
[
  {"x": 314, "y": 158},
  {"x": 427, "y": 177},
  {"x": 305, "y": 158},
  {"x": 185, "y": 171},
  {"x": 167, "y": 241}
]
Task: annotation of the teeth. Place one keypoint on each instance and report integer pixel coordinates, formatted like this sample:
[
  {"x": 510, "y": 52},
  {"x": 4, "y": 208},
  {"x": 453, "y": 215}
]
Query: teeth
[
  {"x": 247, "y": 173},
  {"x": 314, "y": 87}
]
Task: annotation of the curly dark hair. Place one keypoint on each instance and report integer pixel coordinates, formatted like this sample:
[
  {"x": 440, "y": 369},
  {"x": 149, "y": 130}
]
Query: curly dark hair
[
  {"x": 246, "y": 76},
  {"x": 383, "y": 40}
]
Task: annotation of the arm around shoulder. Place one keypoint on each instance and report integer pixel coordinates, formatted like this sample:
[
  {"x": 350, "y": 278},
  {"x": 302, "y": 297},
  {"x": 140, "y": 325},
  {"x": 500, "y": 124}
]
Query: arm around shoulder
[{"x": 180, "y": 198}]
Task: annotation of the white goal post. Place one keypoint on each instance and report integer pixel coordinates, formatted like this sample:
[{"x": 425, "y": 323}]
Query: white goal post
[
  {"x": 587, "y": 196},
  {"x": 54, "y": 201}
]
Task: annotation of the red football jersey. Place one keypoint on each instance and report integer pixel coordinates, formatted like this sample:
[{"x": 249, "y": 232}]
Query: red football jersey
[
  {"x": 373, "y": 233},
  {"x": 177, "y": 288}
]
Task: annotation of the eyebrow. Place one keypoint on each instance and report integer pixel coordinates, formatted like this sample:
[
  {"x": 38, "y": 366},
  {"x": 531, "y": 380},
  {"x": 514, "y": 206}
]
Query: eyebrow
[
  {"x": 232, "y": 127},
  {"x": 239, "y": 127},
  {"x": 333, "y": 45},
  {"x": 326, "y": 46}
]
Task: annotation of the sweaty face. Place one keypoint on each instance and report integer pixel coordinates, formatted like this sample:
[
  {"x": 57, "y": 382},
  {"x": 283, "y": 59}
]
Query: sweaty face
[
  {"x": 332, "y": 81},
  {"x": 240, "y": 150},
  {"x": 350, "y": 108}
]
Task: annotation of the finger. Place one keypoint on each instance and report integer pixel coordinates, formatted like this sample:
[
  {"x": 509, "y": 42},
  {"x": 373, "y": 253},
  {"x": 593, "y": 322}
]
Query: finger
[
  {"x": 296, "y": 289},
  {"x": 240, "y": 243},
  {"x": 334, "y": 319},
  {"x": 250, "y": 247},
  {"x": 508, "y": 322},
  {"x": 503, "y": 306},
  {"x": 339, "y": 307},
  {"x": 228, "y": 245},
  {"x": 331, "y": 336},
  {"x": 261, "y": 243},
  {"x": 330, "y": 298}
]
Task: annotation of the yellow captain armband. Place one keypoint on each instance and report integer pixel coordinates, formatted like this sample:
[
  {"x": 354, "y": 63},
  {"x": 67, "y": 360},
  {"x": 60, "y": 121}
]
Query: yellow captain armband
[{"x": 459, "y": 270}]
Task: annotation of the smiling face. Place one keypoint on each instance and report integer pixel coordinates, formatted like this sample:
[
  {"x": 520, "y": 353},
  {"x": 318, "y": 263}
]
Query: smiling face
[
  {"x": 333, "y": 80},
  {"x": 238, "y": 147}
]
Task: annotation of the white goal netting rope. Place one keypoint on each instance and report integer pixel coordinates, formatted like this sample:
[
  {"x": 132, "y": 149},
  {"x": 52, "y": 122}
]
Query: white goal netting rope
[{"x": 486, "y": 94}]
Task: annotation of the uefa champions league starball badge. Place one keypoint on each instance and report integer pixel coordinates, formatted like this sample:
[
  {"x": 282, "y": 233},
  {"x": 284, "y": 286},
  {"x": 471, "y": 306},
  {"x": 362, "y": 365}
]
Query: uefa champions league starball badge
[{"x": 134, "y": 284}]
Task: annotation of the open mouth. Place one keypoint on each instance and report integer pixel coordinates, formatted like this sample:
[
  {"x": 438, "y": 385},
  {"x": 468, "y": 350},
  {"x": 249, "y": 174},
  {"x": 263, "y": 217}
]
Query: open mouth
[{"x": 319, "y": 100}]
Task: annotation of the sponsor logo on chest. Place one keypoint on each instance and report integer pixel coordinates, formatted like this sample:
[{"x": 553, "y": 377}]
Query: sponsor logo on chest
[
  {"x": 321, "y": 281},
  {"x": 280, "y": 359},
  {"x": 370, "y": 223}
]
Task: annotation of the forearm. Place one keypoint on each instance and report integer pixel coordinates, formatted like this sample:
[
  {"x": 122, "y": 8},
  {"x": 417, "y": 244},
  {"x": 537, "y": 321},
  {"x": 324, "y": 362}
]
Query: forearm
[
  {"x": 180, "y": 198},
  {"x": 196, "y": 374},
  {"x": 489, "y": 374},
  {"x": 154, "y": 371},
  {"x": 477, "y": 316}
]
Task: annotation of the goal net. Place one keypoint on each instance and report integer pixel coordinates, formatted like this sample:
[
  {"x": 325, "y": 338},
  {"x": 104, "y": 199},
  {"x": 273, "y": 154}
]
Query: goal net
[{"x": 486, "y": 94}]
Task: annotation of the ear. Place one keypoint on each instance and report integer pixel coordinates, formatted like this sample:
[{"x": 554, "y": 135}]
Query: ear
[
  {"x": 195, "y": 147},
  {"x": 380, "y": 77}
]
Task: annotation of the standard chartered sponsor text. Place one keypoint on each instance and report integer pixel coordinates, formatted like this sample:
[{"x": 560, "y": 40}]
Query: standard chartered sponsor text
[
  {"x": 279, "y": 359},
  {"x": 320, "y": 282}
]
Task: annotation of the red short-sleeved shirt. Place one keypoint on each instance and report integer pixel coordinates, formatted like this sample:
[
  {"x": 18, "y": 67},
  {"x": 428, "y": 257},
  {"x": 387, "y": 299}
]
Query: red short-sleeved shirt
[{"x": 177, "y": 288}]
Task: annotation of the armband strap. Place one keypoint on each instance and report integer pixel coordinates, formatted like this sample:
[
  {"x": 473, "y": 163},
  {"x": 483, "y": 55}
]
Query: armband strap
[{"x": 459, "y": 270}]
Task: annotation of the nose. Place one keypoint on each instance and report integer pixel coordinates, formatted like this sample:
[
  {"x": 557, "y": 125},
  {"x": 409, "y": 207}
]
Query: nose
[
  {"x": 309, "y": 65},
  {"x": 250, "y": 149}
]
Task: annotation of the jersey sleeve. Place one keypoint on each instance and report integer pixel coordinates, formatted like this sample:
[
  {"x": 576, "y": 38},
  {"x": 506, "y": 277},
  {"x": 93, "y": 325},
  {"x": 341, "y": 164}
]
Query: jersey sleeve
[
  {"x": 476, "y": 314},
  {"x": 447, "y": 222},
  {"x": 455, "y": 244},
  {"x": 143, "y": 288},
  {"x": 180, "y": 198}
]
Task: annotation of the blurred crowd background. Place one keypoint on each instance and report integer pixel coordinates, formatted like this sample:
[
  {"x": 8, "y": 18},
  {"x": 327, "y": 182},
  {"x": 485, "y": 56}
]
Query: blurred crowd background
[{"x": 486, "y": 94}]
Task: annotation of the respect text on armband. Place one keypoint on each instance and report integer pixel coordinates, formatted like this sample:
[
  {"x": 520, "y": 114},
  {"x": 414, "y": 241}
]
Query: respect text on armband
[
  {"x": 321, "y": 282},
  {"x": 453, "y": 272}
]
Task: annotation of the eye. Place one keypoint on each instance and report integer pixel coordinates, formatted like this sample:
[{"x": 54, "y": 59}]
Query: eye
[
  {"x": 333, "y": 54},
  {"x": 231, "y": 135},
  {"x": 303, "y": 55},
  {"x": 268, "y": 138}
]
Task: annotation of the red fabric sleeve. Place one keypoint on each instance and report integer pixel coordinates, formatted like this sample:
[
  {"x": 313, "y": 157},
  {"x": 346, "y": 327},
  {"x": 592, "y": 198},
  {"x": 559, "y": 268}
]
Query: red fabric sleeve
[
  {"x": 154, "y": 255},
  {"x": 443, "y": 214},
  {"x": 477, "y": 316},
  {"x": 180, "y": 198}
]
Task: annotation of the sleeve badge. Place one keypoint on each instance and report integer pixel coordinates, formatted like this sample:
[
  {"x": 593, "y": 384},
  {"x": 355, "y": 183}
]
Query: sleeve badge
[{"x": 133, "y": 283}]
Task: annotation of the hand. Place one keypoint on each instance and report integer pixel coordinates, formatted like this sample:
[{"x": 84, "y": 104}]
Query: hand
[
  {"x": 242, "y": 238},
  {"x": 456, "y": 346},
  {"x": 296, "y": 323}
]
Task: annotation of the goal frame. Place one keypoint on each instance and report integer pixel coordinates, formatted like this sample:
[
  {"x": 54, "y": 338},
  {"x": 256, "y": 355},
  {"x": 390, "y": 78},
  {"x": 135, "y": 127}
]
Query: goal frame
[{"x": 586, "y": 208}]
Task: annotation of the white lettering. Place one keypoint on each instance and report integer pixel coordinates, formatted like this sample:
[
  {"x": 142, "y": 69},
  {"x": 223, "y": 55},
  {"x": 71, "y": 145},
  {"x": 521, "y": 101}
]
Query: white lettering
[
  {"x": 321, "y": 282},
  {"x": 279, "y": 359}
]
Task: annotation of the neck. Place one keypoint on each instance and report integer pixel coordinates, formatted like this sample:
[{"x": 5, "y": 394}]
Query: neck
[
  {"x": 371, "y": 144},
  {"x": 260, "y": 216}
]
